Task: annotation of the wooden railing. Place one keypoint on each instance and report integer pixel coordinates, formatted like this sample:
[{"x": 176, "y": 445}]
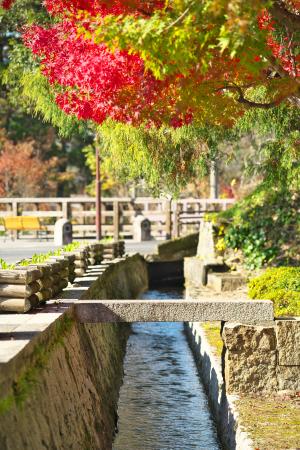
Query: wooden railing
[{"x": 167, "y": 217}]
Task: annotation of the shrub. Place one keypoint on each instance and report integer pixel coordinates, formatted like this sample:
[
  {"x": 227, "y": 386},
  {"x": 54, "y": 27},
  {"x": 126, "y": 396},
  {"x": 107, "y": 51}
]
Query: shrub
[
  {"x": 265, "y": 226},
  {"x": 282, "y": 286}
]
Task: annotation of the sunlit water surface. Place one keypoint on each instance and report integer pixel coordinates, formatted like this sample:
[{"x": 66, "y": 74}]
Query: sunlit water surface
[{"x": 162, "y": 402}]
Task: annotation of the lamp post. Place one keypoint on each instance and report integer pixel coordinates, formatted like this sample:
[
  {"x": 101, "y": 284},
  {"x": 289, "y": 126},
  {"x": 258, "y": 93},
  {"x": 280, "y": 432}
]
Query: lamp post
[{"x": 98, "y": 195}]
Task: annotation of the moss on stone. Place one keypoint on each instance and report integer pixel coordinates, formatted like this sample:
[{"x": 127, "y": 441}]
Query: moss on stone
[
  {"x": 187, "y": 245},
  {"x": 212, "y": 332},
  {"x": 25, "y": 381},
  {"x": 69, "y": 377},
  {"x": 6, "y": 403},
  {"x": 272, "y": 422}
]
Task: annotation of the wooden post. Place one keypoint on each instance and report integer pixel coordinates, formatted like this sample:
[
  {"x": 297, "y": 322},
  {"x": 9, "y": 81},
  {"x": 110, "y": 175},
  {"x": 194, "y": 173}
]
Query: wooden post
[
  {"x": 15, "y": 234},
  {"x": 14, "y": 208},
  {"x": 175, "y": 219},
  {"x": 37, "y": 207},
  {"x": 98, "y": 195},
  {"x": 214, "y": 184},
  {"x": 168, "y": 213},
  {"x": 65, "y": 209},
  {"x": 116, "y": 220}
]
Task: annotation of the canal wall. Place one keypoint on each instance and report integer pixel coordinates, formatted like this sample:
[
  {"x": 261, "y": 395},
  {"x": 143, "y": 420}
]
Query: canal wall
[
  {"x": 262, "y": 357},
  {"x": 178, "y": 249},
  {"x": 61, "y": 390},
  {"x": 256, "y": 359},
  {"x": 123, "y": 280},
  {"x": 166, "y": 267},
  {"x": 222, "y": 404}
]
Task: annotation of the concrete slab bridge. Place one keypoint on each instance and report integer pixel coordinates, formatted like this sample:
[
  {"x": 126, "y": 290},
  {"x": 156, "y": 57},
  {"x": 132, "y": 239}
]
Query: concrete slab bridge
[{"x": 246, "y": 311}]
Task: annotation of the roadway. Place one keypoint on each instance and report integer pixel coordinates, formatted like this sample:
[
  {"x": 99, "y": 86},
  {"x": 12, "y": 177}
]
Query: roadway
[{"x": 12, "y": 251}]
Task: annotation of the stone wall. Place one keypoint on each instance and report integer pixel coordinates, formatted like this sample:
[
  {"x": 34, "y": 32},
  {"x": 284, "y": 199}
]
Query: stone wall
[
  {"x": 262, "y": 358},
  {"x": 63, "y": 394},
  {"x": 231, "y": 433},
  {"x": 125, "y": 279},
  {"x": 178, "y": 249},
  {"x": 60, "y": 392}
]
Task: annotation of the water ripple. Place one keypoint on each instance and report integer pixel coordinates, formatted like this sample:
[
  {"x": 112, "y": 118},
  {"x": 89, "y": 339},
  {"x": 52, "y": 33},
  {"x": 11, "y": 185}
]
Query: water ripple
[{"x": 162, "y": 402}]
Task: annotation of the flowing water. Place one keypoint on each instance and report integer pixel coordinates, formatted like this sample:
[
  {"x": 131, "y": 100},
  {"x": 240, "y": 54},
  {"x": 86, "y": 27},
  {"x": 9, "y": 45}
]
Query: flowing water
[{"x": 162, "y": 402}]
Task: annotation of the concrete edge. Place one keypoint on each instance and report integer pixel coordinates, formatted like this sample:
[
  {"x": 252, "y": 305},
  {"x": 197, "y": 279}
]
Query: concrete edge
[{"x": 225, "y": 412}]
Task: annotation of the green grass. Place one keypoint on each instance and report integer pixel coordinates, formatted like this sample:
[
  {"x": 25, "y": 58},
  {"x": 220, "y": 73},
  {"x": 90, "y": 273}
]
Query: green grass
[
  {"x": 5, "y": 265},
  {"x": 212, "y": 332},
  {"x": 106, "y": 240},
  {"x": 39, "y": 258},
  {"x": 272, "y": 422}
]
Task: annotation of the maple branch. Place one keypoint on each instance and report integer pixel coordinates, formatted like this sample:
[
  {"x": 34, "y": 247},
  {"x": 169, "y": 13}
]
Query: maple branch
[
  {"x": 282, "y": 15},
  {"x": 245, "y": 101},
  {"x": 180, "y": 18},
  {"x": 275, "y": 64},
  {"x": 145, "y": 13}
]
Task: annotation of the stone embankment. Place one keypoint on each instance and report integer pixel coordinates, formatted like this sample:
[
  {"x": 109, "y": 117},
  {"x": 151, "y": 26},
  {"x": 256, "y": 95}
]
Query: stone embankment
[
  {"x": 59, "y": 387},
  {"x": 222, "y": 405},
  {"x": 262, "y": 358}
]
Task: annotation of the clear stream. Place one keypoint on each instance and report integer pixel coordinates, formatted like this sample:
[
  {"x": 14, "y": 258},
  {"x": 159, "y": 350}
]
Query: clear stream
[{"x": 162, "y": 403}]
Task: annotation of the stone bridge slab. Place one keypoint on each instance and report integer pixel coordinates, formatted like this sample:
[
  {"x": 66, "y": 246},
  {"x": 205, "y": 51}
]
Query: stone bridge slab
[{"x": 246, "y": 311}]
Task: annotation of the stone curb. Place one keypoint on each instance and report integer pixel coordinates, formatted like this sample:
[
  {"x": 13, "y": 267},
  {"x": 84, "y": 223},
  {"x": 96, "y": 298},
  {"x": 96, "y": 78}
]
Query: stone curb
[{"x": 230, "y": 431}]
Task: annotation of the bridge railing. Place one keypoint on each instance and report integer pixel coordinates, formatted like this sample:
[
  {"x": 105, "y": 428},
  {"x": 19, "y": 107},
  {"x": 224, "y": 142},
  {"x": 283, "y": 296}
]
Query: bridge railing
[{"x": 168, "y": 217}]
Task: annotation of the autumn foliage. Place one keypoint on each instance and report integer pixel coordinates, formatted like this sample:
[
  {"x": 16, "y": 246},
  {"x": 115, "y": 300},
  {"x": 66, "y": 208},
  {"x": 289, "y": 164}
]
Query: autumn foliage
[
  {"x": 22, "y": 171},
  {"x": 92, "y": 80}
]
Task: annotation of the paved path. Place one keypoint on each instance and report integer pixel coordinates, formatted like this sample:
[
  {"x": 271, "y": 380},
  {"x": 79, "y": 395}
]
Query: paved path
[{"x": 12, "y": 251}]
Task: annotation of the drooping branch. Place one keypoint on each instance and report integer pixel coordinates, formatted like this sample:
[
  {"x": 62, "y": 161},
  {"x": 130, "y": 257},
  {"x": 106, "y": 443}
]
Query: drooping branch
[{"x": 245, "y": 101}]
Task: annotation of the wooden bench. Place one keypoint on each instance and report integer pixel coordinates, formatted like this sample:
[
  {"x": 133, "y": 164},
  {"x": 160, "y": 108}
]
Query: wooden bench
[{"x": 23, "y": 223}]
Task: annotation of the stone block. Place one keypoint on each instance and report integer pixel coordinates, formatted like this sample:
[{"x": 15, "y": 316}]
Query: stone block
[
  {"x": 288, "y": 337},
  {"x": 193, "y": 268},
  {"x": 243, "y": 339},
  {"x": 289, "y": 378},
  {"x": 206, "y": 245},
  {"x": 251, "y": 358},
  {"x": 250, "y": 372},
  {"x": 63, "y": 233},
  {"x": 141, "y": 229},
  {"x": 221, "y": 282}
]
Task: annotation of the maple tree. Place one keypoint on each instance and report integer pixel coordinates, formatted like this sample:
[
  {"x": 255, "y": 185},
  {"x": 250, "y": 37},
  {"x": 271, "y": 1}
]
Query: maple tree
[
  {"x": 177, "y": 64},
  {"x": 22, "y": 170},
  {"x": 168, "y": 62}
]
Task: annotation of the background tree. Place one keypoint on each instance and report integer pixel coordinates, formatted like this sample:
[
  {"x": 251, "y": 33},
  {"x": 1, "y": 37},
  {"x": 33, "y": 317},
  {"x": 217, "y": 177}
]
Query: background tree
[
  {"x": 20, "y": 117},
  {"x": 24, "y": 173}
]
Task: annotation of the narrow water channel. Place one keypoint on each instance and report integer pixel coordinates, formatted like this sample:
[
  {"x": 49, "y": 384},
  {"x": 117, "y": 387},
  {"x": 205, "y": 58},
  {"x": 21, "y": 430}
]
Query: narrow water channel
[{"x": 162, "y": 402}]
